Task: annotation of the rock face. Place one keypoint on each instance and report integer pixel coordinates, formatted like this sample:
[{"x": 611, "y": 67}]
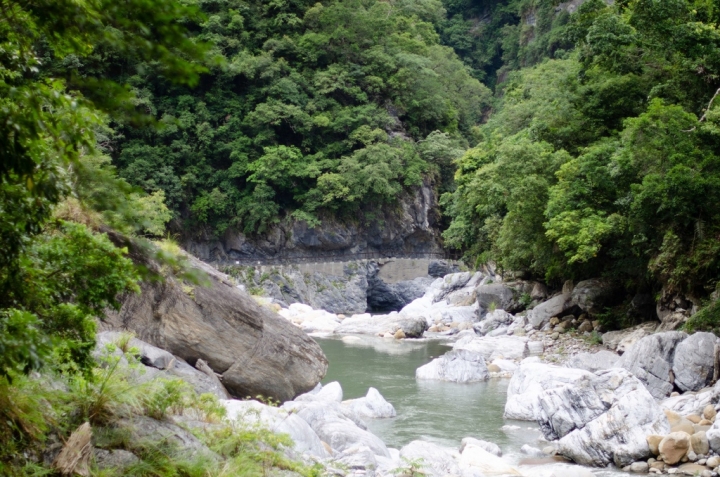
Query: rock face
[
  {"x": 459, "y": 366},
  {"x": 602, "y": 418},
  {"x": 383, "y": 296},
  {"x": 529, "y": 382},
  {"x": 344, "y": 292},
  {"x": 694, "y": 361},
  {"x": 413, "y": 327},
  {"x": 408, "y": 227},
  {"x": 651, "y": 360},
  {"x": 256, "y": 351}
]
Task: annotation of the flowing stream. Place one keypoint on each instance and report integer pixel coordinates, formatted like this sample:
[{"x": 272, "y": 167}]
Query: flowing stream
[{"x": 435, "y": 411}]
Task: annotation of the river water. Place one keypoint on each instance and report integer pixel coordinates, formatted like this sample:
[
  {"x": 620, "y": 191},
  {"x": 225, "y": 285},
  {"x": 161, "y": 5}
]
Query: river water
[{"x": 435, "y": 411}]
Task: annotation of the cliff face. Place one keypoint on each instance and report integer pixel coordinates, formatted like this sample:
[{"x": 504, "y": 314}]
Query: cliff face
[{"x": 407, "y": 227}]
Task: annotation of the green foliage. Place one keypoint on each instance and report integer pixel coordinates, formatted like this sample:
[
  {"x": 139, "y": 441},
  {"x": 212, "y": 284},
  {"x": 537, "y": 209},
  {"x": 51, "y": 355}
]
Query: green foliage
[
  {"x": 320, "y": 108},
  {"x": 707, "y": 319},
  {"x": 64, "y": 279},
  {"x": 604, "y": 163}
]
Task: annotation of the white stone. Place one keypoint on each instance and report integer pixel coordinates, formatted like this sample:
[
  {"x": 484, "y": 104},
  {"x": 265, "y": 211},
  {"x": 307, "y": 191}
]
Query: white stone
[
  {"x": 602, "y": 418},
  {"x": 278, "y": 420},
  {"x": 593, "y": 362},
  {"x": 488, "y": 446},
  {"x": 476, "y": 461},
  {"x": 435, "y": 460},
  {"x": 493, "y": 347},
  {"x": 373, "y": 405},
  {"x": 529, "y": 381},
  {"x": 460, "y": 366}
]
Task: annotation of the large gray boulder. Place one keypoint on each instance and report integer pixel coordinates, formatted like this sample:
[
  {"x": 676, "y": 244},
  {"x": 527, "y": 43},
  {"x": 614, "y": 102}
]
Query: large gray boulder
[
  {"x": 694, "y": 361},
  {"x": 458, "y": 366},
  {"x": 528, "y": 384},
  {"x": 495, "y": 296},
  {"x": 601, "y": 419},
  {"x": 555, "y": 306},
  {"x": 256, "y": 351},
  {"x": 591, "y": 295},
  {"x": 651, "y": 360},
  {"x": 412, "y": 326}
]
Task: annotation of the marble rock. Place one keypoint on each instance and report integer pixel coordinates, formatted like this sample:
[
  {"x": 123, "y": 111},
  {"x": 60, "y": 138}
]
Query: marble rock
[
  {"x": 493, "y": 347},
  {"x": 529, "y": 381},
  {"x": 593, "y": 362},
  {"x": 460, "y": 366},
  {"x": 435, "y": 460},
  {"x": 602, "y": 418},
  {"x": 651, "y": 360},
  {"x": 373, "y": 405}
]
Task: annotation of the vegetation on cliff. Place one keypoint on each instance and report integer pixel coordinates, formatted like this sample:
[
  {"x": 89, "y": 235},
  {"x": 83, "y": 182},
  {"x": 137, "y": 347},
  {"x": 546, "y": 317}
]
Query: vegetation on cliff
[{"x": 604, "y": 162}]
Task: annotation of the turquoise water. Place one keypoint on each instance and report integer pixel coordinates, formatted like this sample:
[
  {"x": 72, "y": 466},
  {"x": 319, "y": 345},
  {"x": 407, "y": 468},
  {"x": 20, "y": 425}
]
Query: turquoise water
[{"x": 436, "y": 411}]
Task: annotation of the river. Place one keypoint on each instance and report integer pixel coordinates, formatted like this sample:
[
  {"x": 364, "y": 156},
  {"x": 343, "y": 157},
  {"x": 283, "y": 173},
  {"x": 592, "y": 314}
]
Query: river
[{"x": 435, "y": 411}]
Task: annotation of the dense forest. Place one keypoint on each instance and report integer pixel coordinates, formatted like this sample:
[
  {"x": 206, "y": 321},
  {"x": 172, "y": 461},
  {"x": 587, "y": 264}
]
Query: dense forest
[
  {"x": 590, "y": 127},
  {"x": 566, "y": 140}
]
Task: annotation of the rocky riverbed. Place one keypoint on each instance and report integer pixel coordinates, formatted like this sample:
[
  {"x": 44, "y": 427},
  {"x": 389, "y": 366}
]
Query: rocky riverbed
[{"x": 640, "y": 400}]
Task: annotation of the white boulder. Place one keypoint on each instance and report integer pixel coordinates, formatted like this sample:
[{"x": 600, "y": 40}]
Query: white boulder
[
  {"x": 477, "y": 462},
  {"x": 277, "y": 420},
  {"x": 530, "y": 380},
  {"x": 460, "y": 366},
  {"x": 494, "y": 347},
  {"x": 373, "y": 405},
  {"x": 434, "y": 460},
  {"x": 602, "y": 418}
]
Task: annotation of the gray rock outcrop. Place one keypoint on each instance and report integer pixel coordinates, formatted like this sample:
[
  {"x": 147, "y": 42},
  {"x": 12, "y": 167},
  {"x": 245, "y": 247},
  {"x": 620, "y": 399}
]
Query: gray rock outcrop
[
  {"x": 651, "y": 360},
  {"x": 410, "y": 226},
  {"x": 591, "y": 295},
  {"x": 256, "y": 351}
]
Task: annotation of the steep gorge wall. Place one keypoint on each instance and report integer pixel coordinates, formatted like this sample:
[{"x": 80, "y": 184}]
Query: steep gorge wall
[{"x": 407, "y": 227}]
